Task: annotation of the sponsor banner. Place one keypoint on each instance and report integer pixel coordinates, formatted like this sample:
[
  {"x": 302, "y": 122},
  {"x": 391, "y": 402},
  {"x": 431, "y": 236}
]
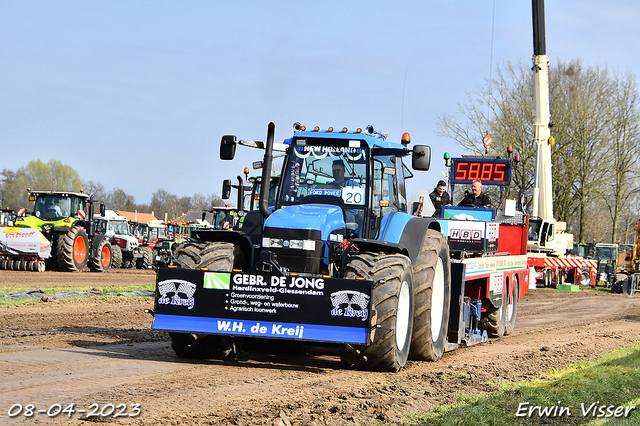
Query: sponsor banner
[
  {"x": 480, "y": 266},
  {"x": 268, "y": 329},
  {"x": 204, "y": 301},
  {"x": 471, "y": 235}
]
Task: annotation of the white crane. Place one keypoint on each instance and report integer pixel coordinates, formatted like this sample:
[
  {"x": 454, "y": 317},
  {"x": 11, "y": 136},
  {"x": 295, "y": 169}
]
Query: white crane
[{"x": 549, "y": 232}]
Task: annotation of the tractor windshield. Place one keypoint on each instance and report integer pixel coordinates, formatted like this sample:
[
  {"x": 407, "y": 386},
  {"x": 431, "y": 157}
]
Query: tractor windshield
[
  {"x": 157, "y": 233},
  {"x": 53, "y": 207},
  {"x": 606, "y": 252},
  {"x": 273, "y": 190},
  {"x": 119, "y": 227},
  {"x": 325, "y": 169},
  {"x": 223, "y": 219}
]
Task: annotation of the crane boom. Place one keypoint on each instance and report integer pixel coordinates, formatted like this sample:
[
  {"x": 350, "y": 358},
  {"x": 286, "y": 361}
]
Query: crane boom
[{"x": 543, "y": 192}]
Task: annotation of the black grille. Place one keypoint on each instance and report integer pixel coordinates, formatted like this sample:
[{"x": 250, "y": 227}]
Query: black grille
[{"x": 298, "y": 260}]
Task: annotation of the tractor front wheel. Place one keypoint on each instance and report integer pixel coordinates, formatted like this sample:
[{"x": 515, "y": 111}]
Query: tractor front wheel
[
  {"x": 102, "y": 262},
  {"x": 220, "y": 257},
  {"x": 116, "y": 257},
  {"x": 72, "y": 250},
  {"x": 495, "y": 320},
  {"x": 393, "y": 299},
  {"x": 147, "y": 258}
]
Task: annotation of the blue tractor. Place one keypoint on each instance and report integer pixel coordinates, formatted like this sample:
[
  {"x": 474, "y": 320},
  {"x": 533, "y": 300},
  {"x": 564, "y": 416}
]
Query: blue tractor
[{"x": 338, "y": 259}]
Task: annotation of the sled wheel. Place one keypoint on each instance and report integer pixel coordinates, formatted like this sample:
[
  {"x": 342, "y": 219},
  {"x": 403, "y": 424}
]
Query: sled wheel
[{"x": 512, "y": 307}]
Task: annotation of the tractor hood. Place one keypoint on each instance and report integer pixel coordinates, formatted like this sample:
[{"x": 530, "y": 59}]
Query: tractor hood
[
  {"x": 37, "y": 223},
  {"x": 317, "y": 217},
  {"x": 299, "y": 236}
]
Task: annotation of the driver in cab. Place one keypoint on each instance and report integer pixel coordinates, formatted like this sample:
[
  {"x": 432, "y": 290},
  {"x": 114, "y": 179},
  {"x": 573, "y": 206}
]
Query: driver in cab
[
  {"x": 338, "y": 170},
  {"x": 475, "y": 198},
  {"x": 54, "y": 208}
]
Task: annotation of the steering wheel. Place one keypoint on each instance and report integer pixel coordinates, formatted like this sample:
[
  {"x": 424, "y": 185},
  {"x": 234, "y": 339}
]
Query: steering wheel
[{"x": 320, "y": 173}]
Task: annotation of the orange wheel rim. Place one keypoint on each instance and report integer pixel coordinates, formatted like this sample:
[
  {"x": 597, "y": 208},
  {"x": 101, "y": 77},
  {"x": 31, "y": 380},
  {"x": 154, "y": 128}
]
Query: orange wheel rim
[
  {"x": 80, "y": 250},
  {"x": 106, "y": 256}
]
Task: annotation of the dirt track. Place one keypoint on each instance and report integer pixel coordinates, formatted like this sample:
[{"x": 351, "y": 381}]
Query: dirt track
[{"x": 102, "y": 351}]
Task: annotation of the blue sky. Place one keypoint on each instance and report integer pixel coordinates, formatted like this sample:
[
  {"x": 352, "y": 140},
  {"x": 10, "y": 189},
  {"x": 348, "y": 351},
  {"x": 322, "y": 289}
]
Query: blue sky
[{"x": 136, "y": 95}]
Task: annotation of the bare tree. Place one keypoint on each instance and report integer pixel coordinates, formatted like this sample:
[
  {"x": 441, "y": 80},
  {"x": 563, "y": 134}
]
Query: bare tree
[
  {"x": 624, "y": 145},
  {"x": 118, "y": 199},
  {"x": 580, "y": 110},
  {"x": 502, "y": 108},
  {"x": 594, "y": 116},
  {"x": 96, "y": 189}
]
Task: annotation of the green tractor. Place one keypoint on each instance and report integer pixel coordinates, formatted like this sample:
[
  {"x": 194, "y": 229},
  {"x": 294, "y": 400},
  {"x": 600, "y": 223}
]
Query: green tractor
[{"x": 66, "y": 220}]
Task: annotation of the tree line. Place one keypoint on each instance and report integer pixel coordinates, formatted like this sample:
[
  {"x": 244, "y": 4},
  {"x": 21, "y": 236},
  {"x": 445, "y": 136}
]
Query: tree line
[
  {"x": 595, "y": 124},
  {"x": 56, "y": 176}
]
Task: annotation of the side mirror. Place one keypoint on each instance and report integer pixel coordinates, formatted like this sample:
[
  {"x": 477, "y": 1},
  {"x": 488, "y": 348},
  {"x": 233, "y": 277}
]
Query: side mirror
[
  {"x": 102, "y": 210},
  {"x": 226, "y": 189},
  {"x": 421, "y": 157},
  {"x": 228, "y": 147}
]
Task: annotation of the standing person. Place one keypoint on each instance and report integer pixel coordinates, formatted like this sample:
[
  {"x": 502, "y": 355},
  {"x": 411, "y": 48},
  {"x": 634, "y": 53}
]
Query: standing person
[
  {"x": 440, "y": 197},
  {"x": 608, "y": 270},
  {"x": 475, "y": 198}
]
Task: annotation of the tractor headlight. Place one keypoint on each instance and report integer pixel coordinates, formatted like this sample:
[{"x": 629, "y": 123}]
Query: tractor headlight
[
  {"x": 272, "y": 242},
  {"x": 309, "y": 245},
  {"x": 295, "y": 244}
]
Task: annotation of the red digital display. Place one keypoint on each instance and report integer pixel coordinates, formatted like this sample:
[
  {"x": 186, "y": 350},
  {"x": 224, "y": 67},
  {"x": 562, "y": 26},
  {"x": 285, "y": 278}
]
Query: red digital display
[{"x": 496, "y": 172}]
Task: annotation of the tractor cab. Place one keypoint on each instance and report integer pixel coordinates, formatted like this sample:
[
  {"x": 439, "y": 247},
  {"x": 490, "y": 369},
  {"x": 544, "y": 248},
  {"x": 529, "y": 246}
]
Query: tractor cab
[
  {"x": 56, "y": 206},
  {"x": 7, "y": 217},
  {"x": 334, "y": 187}
]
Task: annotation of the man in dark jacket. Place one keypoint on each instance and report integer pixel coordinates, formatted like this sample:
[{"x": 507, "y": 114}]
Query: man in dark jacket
[
  {"x": 475, "y": 198},
  {"x": 440, "y": 197}
]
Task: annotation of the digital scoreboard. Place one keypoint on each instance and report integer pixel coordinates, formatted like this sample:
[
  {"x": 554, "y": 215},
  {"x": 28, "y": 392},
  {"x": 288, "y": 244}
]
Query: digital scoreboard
[{"x": 490, "y": 171}]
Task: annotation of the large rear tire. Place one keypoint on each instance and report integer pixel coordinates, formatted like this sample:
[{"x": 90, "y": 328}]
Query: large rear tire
[
  {"x": 102, "y": 262},
  {"x": 72, "y": 250},
  {"x": 393, "y": 299},
  {"x": 146, "y": 260},
  {"x": 221, "y": 257},
  {"x": 432, "y": 278}
]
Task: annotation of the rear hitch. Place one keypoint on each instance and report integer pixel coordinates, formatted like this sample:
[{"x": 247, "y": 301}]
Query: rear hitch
[{"x": 267, "y": 263}]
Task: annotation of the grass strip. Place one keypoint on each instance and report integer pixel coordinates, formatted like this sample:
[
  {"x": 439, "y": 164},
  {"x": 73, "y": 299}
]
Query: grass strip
[{"x": 603, "y": 391}]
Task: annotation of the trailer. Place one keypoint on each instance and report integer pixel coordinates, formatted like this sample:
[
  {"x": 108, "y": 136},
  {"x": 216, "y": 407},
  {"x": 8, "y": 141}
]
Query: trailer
[
  {"x": 552, "y": 271},
  {"x": 23, "y": 249}
]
